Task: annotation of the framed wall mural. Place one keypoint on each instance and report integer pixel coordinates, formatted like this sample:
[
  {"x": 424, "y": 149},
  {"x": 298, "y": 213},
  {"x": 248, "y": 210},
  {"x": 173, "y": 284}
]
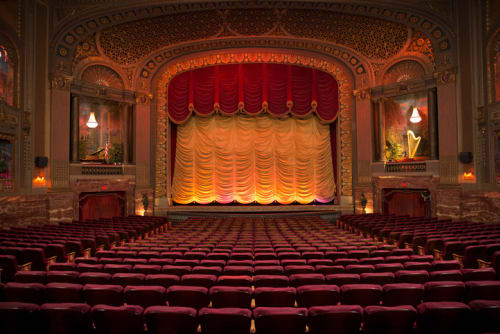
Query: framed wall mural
[
  {"x": 7, "y": 161},
  {"x": 6, "y": 77},
  {"x": 100, "y": 132},
  {"x": 406, "y": 128}
]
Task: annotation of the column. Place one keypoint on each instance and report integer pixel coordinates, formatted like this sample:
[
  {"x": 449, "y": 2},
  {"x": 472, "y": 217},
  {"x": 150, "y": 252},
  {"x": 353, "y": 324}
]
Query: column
[
  {"x": 75, "y": 128},
  {"x": 381, "y": 129},
  {"x": 433, "y": 134},
  {"x": 125, "y": 132}
]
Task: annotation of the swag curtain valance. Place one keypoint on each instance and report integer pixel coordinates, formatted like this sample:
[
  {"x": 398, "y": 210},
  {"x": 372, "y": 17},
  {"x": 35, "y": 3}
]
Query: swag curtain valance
[{"x": 276, "y": 88}]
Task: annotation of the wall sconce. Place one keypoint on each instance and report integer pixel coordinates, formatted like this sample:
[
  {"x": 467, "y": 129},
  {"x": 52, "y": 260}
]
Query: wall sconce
[
  {"x": 39, "y": 182},
  {"x": 92, "y": 122},
  {"x": 415, "y": 116},
  {"x": 468, "y": 175}
]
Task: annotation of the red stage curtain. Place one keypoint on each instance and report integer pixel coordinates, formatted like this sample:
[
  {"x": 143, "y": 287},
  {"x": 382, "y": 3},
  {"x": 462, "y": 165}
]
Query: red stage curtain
[
  {"x": 95, "y": 206},
  {"x": 277, "y": 88},
  {"x": 404, "y": 202}
]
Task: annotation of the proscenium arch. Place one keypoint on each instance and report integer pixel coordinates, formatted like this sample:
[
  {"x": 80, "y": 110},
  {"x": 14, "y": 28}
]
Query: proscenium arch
[{"x": 338, "y": 70}]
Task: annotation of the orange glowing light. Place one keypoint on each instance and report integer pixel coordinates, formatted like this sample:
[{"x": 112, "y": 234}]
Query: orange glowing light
[
  {"x": 468, "y": 176},
  {"x": 40, "y": 181}
]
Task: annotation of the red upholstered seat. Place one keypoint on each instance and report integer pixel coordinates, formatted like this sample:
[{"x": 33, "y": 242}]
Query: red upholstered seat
[
  {"x": 207, "y": 270},
  {"x": 188, "y": 296},
  {"x": 63, "y": 277},
  {"x": 445, "y": 265},
  {"x": 446, "y": 275},
  {"x": 360, "y": 294},
  {"x": 176, "y": 270},
  {"x": 66, "y": 318},
  {"x": 377, "y": 278},
  {"x": 341, "y": 279},
  {"x": 103, "y": 294},
  {"x": 441, "y": 291},
  {"x": 483, "y": 274},
  {"x": 412, "y": 276},
  {"x": 225, "y": 320},
  {"x": 65, "y": 266},
  {"x": 402, "y": 294},
  {"x": 30, "y": 277},
  {"x": 280, "y": 320},
  {"x": 117, "y": 268},
  {"x": 444, "y": 318},
  {"x": 125, "y": 279},
  {"x": 118, "y": 319},
  {"x": 238, "y": 270},
  {"x": 94, "y": 278},
  {"x": 270, "y": 281},
  {"x": 344, "y": 319},
  {"x": 163, "y": 280},
  {"x": 198, "y": 280},
  {"x": 485, "y": 315},
  {"x": 87, "y": 267},
  {"x": 8, "y": 264},
  {"x": 412, "y": 265},
  {"x": 229, "y": 296},
  {"x": 170, "y": 320},
  {"x": 33, "y": 293},
  {"x": 317, "y": 295},
  {"x": 388, "y": 267},
  {"x": 241, "y": 280},
  {"x": 274, "y": 297},
  {"x": 269, "y": 270},
  {"x": 297, "y": 280},
  {"x": 384, "y": 319},
  {"x": 488, "y": 290},
  {"x": 64, "y": 293},
  {"x": 329, "y": 269},
  {"x": 146, "y": 269},
  {"x": 16, "y": 317},
  {"x": 145, "y": 295},
  {"x": 359, "y": 268}
]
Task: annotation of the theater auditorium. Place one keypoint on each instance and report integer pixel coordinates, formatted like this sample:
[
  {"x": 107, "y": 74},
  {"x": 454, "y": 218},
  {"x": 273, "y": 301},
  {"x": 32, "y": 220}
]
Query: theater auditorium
[{"x": 250, "y": 167}]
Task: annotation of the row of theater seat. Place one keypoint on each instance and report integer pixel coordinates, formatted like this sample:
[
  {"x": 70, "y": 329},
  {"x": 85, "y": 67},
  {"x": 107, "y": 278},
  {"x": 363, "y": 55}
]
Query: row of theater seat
[
  {"x": 174, "y": 276},
  {"x": 467, "y": 241},
  {"x": 35, "y": 247},
  {"x": 75, "y": 318},
  {"x": 391, "y": 294}
]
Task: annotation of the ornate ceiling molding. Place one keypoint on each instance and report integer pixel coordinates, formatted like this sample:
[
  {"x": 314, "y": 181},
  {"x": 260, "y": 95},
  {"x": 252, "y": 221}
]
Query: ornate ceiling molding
[
  {"x": 69, "y": 35},
  {"x": 338, "y": 70}
]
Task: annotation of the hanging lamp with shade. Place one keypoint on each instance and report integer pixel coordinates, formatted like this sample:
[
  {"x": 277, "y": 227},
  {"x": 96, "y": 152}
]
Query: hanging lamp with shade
[
  {"x": 415, "y": 116},
  {"x": 92, "y": 122}
]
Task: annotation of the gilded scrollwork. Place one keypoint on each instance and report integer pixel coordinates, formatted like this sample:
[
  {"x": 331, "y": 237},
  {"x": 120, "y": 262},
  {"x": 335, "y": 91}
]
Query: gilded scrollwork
[{"x": 61, "y": 82}]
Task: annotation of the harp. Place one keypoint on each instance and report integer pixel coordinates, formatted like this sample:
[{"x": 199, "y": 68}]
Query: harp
[{"x": 413, "y": 143}]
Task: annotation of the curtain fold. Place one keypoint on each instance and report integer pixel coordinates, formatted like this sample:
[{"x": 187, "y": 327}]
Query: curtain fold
[
  {"x": 277, "y": 88},
  {"x": 245, "y": 159}
]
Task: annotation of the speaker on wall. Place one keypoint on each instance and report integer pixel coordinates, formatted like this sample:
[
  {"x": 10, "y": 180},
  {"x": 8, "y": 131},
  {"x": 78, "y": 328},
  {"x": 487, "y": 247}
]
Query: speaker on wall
[
  {"x": 465, "y": 157},
  {"x": 41, "y": 162}
]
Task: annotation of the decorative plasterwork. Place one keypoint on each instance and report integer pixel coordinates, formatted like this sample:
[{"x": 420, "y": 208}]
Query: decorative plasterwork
[
  {"x": 151, "y": 64},
  {"x": 7, "y": 119},
  {"x": 85, "y": 49},
  {"x": 493, "y": 52},
  {"x": 388, "y": 18},
  {"x": 61, "y": 82},
  {"x": 102, "y": 76},
  {"x": 338, "y": 71},
  {"x": 403, "y": 71}
]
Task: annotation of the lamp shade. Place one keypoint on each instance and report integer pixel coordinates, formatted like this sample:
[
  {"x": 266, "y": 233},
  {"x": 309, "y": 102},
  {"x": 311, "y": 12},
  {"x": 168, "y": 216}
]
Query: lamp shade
[
  {"x": 415, "y": 116},
  {"x": 92, "y": 122}
]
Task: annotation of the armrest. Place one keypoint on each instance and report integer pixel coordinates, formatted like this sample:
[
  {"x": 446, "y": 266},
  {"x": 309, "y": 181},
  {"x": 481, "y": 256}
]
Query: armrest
[
  {"x": 24, "y": 267},
  {"x": 71, "y": 257}
]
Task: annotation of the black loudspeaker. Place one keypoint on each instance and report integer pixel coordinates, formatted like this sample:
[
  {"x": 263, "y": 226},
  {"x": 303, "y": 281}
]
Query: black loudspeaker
[
  {"x": 41, "y": 162},
  {"x": 465, "y": 157}
]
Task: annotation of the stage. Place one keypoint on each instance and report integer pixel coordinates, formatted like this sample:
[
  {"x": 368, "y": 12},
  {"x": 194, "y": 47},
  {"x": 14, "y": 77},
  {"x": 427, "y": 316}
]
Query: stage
[{"x": 181, "y": 212}]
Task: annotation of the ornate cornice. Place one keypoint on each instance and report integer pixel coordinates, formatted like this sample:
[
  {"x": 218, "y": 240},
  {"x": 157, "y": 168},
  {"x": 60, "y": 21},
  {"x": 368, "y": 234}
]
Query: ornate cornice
[{"x": 143, "y": 97}]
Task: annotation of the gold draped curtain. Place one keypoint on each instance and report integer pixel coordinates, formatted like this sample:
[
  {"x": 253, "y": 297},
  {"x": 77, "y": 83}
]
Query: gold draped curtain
[{"x": 253, "y": 159}]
